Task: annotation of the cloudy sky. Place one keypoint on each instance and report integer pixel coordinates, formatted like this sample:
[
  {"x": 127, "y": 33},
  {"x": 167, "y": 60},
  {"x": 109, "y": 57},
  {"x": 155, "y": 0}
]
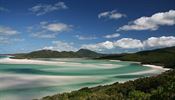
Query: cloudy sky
[{"x": 108, "y": 26}]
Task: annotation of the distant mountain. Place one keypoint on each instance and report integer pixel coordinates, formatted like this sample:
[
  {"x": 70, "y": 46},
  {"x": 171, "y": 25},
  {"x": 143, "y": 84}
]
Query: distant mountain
[
  {"x": 88, "y": 53},
  {"x": 56, "y": 54},
  {"x": 164, "y": 57}
]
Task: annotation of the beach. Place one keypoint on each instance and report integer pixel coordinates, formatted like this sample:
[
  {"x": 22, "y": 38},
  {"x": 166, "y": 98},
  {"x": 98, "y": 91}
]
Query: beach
[{"x": 156, "y": 67}]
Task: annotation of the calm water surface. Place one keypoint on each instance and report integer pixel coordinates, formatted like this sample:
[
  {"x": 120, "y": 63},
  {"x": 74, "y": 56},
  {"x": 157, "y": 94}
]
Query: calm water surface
[{"x": 29, "y": 81}]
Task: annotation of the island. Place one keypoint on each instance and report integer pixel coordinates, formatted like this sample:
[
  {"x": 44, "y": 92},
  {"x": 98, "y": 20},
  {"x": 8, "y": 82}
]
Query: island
[{"x": 82, "y": 53}]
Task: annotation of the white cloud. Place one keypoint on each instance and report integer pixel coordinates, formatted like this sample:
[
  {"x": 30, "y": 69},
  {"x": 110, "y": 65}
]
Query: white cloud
[
  {"x": 8, "y": 35},
  {"x": 85, "y": 38},
  {"x": 4, "y": 40},
  {"x": 42, "y": 9},
  {"x": 160, "y": 41},
  {"x": 151, "y": 23},
  {"x": 128, "y": 43},
  {"x": 7, "y": 31},
  {"x": 99, "y": 46},
  {"x": 43, "y": 34},
  {"x": 107, "y": 44},
  {"x": 56, "y": 27},
  {"x": 112, "y": 35},
  {"x": 48, "y": 30},
  {"x": 9, "y": 40},
  {"x": 111, "y": 15},
  {"x": 61, "y": 46},
  {"x": 124, "y": 44}
]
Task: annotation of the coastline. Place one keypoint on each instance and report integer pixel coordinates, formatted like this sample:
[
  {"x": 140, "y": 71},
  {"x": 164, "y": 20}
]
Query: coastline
[
  {"x": 156, "y": 67},
  {"x": 40, "y": 62},
  {"x": 147, "y": 65},
  {"x": 28, "y": 61},
  {"x": 66, "y": 78},
  {"x": 52, "y": 63}
]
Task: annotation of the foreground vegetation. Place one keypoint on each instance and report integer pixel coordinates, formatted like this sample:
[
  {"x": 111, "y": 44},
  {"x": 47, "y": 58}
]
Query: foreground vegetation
[
  {"x": 161, "y": 87},
  {"x": 163, "y": 57}
]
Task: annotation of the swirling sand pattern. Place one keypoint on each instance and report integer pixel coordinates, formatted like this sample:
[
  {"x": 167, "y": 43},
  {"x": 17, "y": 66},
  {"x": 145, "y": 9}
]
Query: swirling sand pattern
[{"x": 29, "y": 79}]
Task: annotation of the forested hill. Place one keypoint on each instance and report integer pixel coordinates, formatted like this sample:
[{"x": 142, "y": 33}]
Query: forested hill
[
  {"x": 56, "y": 54},
  {"x": 164, "y": 57}
]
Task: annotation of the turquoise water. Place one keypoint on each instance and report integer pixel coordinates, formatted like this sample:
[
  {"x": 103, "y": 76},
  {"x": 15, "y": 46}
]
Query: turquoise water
[{"x": 29, "y": 81}]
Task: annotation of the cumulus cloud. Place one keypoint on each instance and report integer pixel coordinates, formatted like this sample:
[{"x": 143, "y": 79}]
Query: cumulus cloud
[
  {"x": 151, "y": 23},
  {"x": 130, "y": 43},
  {"x": 122, "y": 44},
  {"x": 85, "y": 37},
  {"x": 48, "y": 30},
  {"x": 8, "y": 35},
  {"x": 56, "y": 27},
  {"x": 162, "y": 41},
  {"x": 7, "y": 31},
  {"x": 42, "y": 9},
  {"x": 112, "y": 35},
  {"x": 99, "y": 46},
  {"x": 111, "y": 15},
  {"x": 61, "y": 46}
]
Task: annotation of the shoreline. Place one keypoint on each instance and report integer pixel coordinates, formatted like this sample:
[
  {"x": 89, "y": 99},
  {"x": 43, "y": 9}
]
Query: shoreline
[
  {"x": 40, "y": 62},
  {"x": 146, "y": 65},
  {"x": 28, "y": 61},
  {"x": 48, "y": 79},
  {"x": 52, "y": 63},
  {"x": 156, "y": 67}
]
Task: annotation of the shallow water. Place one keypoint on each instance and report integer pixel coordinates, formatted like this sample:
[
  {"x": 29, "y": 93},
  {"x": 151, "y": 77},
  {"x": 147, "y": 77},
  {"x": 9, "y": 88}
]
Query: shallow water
[{"x": 29, "y": 81}]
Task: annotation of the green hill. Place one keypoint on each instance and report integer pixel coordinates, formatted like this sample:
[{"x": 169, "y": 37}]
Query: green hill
[
  {"x": 161, "y": 87},
  {"x": 164, "y": 57},
  {"x": 56, "y": 54}
]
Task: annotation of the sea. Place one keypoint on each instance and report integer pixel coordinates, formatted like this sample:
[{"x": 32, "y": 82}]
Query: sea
[{"x": 27, "y": 81}]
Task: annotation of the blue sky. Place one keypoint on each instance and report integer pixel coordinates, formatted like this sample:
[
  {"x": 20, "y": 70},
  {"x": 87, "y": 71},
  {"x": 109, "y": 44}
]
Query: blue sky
[{"x": 114, "y": 26}]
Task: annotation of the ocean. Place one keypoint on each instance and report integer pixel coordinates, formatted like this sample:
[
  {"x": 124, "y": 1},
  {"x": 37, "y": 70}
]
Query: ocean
[{"x": 27, "y": 81}]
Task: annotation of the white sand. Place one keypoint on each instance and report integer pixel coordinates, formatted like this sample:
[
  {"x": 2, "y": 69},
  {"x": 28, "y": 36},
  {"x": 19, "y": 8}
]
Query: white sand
[
  {"x": 147, "y": 65},
  {"x": 142, "y": 72},
  {"x": 115, "y": 60},
  {"x": 28, "y": 61},
  {"x": 23, "y": 81},
  {"x": 55, "y": 63},
  {"x": 156, "y": 67},
  {"x": 126, "y": 61}
]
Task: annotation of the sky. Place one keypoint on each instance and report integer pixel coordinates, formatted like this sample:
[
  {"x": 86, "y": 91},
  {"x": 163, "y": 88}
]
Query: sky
[{"x": 106, "y": 26}]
